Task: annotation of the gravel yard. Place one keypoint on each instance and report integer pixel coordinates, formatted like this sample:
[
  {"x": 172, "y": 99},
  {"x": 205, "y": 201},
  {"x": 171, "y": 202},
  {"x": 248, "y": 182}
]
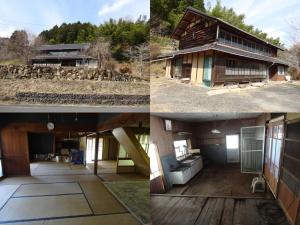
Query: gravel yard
[{"x": 172, "y": 96}]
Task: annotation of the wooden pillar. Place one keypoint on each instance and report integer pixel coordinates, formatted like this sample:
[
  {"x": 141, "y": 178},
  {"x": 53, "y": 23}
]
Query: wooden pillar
[{"x": 96, "y": 154}]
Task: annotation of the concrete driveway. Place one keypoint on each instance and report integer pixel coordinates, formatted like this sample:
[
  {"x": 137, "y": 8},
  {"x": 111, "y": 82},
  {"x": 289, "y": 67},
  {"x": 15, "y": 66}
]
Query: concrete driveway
[{"x": 172, "y": 96}]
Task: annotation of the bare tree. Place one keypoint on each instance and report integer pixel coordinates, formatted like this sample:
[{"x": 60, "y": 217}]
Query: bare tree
[
  {"x": 155, "y": 50},
  {"x": 5, "y": 54},
  {"x": 19, "y": 44},
  {"x": 140, "y": 55},
  {"x": 292, "y": 55},
  {"x": 100, "y": 49},
  {"x": 143, "y": 57}
]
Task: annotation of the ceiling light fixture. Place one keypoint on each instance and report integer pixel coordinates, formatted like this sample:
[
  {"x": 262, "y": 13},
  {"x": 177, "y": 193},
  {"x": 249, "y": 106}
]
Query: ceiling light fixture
[{"x": 215, "y": 131}]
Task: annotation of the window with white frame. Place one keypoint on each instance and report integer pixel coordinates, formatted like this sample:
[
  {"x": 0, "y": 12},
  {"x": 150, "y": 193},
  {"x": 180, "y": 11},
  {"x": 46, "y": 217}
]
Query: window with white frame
[
  {"x": 154, "y": 166},
  {"x": 181, "y": 149},
  {"x": 232, "y": 141},
  {"x": 280, "y": 70}
]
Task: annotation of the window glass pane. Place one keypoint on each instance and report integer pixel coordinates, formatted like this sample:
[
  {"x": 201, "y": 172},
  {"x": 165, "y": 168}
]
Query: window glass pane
[
  {"x": 122, "y": 152},
  {"x": 274, "y": 150},
  {"x": 1, "y": 171},
  {"x": 123, "y": 158},
  {"x": 144, "y": 141},
  {"x": 278, "y": 148},
  {"x": 280, "y": 132},
  {"x": 232, "y": 141},
  {"x": 153, "y": 162},
  {"x": 180, "y": 148},
  {"x": 270, "y": 148},
  {"x": 90, "y": 148},
  {"x": 275, "y": 132}
]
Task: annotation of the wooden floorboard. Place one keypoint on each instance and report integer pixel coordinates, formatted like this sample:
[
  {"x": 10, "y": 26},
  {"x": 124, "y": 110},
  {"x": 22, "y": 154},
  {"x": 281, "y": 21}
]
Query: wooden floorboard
[
  {"x": 190, "y": 210},
  {"x": 227, "y": 216},
  {"x": 162, "y": 213},
  {"x": 217, "y": 212},
  {"x": 239, "y": 215},
  {"x": 168, "y": 210},
  {"x": 207, "y": 212}
]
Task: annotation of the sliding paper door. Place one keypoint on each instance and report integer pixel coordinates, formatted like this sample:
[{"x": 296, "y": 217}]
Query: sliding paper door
[{"x": 252, "y": 149}]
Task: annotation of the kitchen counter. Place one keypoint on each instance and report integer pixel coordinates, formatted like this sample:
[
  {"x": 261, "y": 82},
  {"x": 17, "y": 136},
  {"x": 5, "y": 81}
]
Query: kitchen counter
[{"x": 188, "y": 168}]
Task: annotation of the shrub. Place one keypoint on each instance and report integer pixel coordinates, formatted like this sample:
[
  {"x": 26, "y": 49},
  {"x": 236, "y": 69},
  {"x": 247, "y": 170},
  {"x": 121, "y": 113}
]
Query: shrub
[
  {"x": 125, "y": 69},
  {"x": 295, "y": 73}
]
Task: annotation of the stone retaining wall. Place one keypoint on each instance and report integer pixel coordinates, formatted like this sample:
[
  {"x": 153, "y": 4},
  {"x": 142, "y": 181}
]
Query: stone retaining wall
[
  {"x": 63, "y": 73},
  {"x": 98, "y": 99}
]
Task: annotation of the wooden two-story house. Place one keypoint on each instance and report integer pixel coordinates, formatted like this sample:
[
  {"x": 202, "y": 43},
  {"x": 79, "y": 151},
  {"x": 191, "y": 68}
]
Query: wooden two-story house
[
  {"x": 73, "y": 55},
  {"x": 213, "y": 52}
]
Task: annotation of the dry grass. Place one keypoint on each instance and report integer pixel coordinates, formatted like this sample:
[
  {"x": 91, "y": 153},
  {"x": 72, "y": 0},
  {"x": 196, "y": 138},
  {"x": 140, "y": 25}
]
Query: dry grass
[
  {"x": 8, "y": 88},
  {"x": 158, "y": 68},
  {"x": 12, "y": 62}
]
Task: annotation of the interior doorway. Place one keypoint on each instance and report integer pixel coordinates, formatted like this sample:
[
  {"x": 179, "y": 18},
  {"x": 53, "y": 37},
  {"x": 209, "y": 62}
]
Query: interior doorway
[
  {"x": 233, "y": 150},
  {"x": 90, "y": 149}
]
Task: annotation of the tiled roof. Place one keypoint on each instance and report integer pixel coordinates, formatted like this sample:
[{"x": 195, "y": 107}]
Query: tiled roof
[
  {"x": 226, "y": 49},
  {"x": 64, "y": 47},
  {"x": 61, "y": 57}
]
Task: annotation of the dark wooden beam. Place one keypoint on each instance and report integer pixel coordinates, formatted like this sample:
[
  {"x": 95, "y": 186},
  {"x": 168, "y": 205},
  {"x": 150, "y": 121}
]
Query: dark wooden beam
[
  {"x": 123, "y": 120},
  {"x": 96, "y": 154},
  {"x": 42, "y": 127}
]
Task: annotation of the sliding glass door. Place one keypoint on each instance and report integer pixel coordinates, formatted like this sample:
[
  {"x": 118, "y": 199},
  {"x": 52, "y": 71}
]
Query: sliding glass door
[
  {"x": 252, "y": 149},
  {"x": 273, "y": 152}
]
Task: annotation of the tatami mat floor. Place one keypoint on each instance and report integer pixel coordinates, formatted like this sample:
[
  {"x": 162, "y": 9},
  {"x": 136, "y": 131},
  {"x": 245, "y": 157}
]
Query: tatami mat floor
[{"x": 60, "y": 199}]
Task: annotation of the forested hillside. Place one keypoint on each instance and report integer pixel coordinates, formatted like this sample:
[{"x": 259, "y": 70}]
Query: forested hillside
[
  {"x": 165, "y": 14},
  {"x": 121, "y": 34}
]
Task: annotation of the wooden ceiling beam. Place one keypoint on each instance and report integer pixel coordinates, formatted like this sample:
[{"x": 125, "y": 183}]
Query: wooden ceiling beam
[
  {"x": 42, "y": 127},
  {"x": 123, "y": 120}
]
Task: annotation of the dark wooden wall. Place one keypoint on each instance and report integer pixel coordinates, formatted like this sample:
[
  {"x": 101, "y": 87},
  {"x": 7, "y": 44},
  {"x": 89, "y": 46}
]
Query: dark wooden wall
[
  {"x": 213, "y": 146},
  {"x": 15, "y": 152},
  {"x": 113, "y": 148},
  {"x": 218, "y": 74},
  {"x": 157, "y": 185},
  {"x": 198, "y": 35}
]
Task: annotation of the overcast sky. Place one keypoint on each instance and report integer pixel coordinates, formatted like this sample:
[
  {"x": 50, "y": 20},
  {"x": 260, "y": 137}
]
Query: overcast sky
[
  {"x": 271, "y": 16},
  {"x": 38, "y": 15}
]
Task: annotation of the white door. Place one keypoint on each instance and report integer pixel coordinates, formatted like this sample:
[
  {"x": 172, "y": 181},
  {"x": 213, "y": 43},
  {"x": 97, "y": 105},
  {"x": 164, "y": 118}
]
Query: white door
[{"x": 233, "y": 150}]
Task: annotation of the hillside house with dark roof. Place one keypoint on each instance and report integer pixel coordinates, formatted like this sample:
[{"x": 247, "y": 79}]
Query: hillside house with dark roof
[
  {"x": 213, "y": 52},
  {"x": 64, "y": 55}
]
